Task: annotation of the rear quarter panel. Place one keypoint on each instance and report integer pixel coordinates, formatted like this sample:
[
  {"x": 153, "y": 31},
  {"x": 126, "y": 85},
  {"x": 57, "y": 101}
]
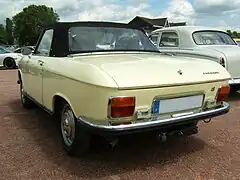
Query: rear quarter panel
[
  {"x": 83, "y": 86},
  {"x": 85, "y": 99}
]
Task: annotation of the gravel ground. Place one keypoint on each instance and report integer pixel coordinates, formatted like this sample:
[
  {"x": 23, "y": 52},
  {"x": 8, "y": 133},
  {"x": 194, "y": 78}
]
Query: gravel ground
[{"x": 30, "y": 148}]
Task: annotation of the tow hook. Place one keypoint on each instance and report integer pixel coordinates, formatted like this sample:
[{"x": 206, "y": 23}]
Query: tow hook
[
  {"x": 207, "y": 121},
  {"x": 18, "y": 81},
  {"x": 180, "y": 133},
  {"x": 162, "y": 137},
  {"x": 112, "y": 141}
]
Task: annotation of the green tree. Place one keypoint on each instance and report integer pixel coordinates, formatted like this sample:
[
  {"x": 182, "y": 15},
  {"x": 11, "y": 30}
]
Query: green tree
[
  {"x": 28, "y": 23},
  {"x": 2, "y": 31},
  {"x": 234, "y": 34},
  {"x": 238, "y": 35},
  {"x": 9, "y": 31},
  {"x": 2, "y": 34},
  {"x": 229, "y": 32}
]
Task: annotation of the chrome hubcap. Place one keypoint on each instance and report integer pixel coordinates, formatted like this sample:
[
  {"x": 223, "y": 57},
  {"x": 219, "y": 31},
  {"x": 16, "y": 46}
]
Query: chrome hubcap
[{"x": 68, "y": 126}]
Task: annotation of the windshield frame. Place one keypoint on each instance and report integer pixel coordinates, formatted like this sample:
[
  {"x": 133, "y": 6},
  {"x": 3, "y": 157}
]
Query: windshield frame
[
  {"x": 218, "y": 31},
  {"x": 154, "y": 48}
]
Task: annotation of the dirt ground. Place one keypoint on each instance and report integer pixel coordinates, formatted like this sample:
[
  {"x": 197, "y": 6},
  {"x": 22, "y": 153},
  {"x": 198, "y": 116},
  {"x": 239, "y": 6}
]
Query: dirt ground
[{"x": 30, "y": 148}]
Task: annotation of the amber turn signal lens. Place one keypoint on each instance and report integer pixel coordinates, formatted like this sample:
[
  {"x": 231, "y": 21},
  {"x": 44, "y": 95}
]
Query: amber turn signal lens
[
  {"x": 223, "y": 93},
  {"x": 122, "y": 107}
]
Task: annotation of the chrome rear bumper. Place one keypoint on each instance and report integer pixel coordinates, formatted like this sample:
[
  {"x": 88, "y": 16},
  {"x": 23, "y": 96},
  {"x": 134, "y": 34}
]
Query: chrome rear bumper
[
  {"x": 152, "y": 124},
  {"x": 234, "y": 81}
]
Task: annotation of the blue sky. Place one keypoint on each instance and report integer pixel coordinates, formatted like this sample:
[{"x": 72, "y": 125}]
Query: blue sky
[
  {"x": 157, "y": 7},
  {"x": 218, "y": 13}
]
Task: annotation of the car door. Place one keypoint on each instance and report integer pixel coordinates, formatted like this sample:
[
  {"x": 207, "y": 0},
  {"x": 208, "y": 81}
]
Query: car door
[
  {"x": 1, "y": 56},
  {"x": 169, "y": 42},
  {"x": 35, "y": 66}
]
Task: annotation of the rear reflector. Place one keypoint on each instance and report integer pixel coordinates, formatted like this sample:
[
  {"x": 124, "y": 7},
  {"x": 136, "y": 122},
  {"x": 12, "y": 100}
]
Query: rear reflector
[
  {"x": 120, "y": 107},
  {"x": 222, "y": 93}
]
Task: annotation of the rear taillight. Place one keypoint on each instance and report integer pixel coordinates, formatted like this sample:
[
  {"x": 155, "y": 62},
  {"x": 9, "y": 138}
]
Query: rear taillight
[
  {"x": 120, "y": 107},
  {"x": 222, "y": 62},
  {"x": 222, "y": 93}
]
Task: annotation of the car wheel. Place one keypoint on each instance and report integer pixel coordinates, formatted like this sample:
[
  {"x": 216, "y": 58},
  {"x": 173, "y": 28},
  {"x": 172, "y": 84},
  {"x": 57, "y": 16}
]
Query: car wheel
[
  {"x": 9, "y": 63},
  {"x": 26, "y": 102},
  {"x": 75, "y": 140}
]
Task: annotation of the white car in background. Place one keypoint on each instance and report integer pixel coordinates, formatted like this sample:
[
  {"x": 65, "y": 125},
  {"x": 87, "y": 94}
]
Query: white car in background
[
  {"x": 19, "y": 50},
  {"x": 9, "y": 59},
  {"x": 201, "y": 42}
]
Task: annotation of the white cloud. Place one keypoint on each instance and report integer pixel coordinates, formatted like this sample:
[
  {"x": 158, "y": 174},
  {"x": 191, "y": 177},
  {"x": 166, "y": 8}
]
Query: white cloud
[
  {"x": 180, "y": 10},
  {"x": 216, "y": 6},
  {"x": 218, "y": 13},
  {"x": 72, "y": 10},
  {"x": 114, "y": 12}
]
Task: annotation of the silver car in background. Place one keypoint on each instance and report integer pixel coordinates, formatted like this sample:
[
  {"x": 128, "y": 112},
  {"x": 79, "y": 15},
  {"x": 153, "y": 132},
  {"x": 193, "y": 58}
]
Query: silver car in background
[{"x": 201, "y": 42}]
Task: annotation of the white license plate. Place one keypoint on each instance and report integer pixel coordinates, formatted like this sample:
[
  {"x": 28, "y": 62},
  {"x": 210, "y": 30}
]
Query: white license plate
[{"x": 161, "y": 106}]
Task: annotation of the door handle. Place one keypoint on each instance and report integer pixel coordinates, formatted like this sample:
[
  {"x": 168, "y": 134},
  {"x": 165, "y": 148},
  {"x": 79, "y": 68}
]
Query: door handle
[{"x": 40, "y": 62}]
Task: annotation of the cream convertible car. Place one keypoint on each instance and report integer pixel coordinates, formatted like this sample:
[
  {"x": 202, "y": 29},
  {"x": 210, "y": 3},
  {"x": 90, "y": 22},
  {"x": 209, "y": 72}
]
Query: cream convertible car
[{"x": 109, "y": 79}]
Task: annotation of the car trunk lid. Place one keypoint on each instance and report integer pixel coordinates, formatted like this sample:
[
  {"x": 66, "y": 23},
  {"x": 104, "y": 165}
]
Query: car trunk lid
[
  {"x": 162, "y": 71},
  {"x": 144, "y": 70}
]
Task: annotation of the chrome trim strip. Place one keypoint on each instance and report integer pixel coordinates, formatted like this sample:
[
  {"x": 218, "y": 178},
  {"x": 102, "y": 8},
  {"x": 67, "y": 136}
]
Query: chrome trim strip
[
  {"x": 110, "y": 52},
  {"x": 159, "y": 122}
]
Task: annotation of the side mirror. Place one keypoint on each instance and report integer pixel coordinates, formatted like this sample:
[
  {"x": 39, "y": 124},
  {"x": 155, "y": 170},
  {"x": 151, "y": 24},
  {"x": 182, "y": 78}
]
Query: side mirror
[{"x": 26, "y": 51}]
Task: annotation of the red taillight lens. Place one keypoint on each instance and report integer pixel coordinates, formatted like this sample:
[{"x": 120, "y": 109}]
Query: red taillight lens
[
  {"x": 222, "y": 93},
  {"x": 121, "y": 107},
  {"x": 222, "y": 62}
]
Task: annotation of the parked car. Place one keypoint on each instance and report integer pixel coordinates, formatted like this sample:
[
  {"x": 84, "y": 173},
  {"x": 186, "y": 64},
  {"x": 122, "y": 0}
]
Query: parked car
[
  {"x": 126, "y": 89},
  {"x": 10, "y": 47},
  {"x": 19, "y": 49},
  {"x": 8, "y": 59},
  {"x": 201, "y": 42}
]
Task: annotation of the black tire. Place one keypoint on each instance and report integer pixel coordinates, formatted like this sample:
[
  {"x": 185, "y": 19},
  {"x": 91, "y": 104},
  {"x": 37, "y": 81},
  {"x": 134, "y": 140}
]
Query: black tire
[
  {"x": 26, "y": 102},
  {"x": 9, "y": 63},
  {"x": 80, "y": 139}
]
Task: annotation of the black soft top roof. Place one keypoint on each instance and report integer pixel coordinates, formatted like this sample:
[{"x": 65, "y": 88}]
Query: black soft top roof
[
  {"x": 60, "y": 46},
  {"x": 90, "y": 24}
]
